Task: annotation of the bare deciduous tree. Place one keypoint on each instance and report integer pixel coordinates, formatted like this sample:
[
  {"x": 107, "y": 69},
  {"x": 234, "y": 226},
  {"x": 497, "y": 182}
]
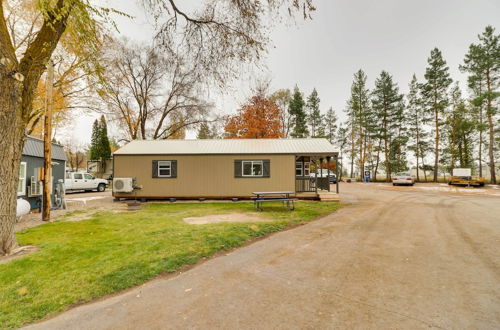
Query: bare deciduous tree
[{"x": 151, "y": 96}]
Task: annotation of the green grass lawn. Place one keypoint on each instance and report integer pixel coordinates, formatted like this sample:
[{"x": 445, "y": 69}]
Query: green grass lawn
[{"x": 84, "y": 260}]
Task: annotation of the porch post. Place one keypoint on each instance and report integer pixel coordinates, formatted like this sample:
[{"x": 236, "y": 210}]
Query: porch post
[
  {"x": 337, "y": 171},
  {"x": 316, "y": 176},
  {"x": 321, "y": 168},
  {"x": 328, "y": 169}
]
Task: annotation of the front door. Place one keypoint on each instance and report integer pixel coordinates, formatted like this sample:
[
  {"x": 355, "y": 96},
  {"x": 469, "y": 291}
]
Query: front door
[{"x": 304, "y": 181}]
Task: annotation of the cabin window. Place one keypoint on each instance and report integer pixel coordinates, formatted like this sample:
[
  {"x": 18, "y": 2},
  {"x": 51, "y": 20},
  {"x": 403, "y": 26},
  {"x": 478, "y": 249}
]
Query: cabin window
[
  {"x": 302, "y": 169},
  {"x": 21, "y": 186},
  {"x": 307, "y": 169},
  {"x": 252, "y": 168},
  {"x": 78, "y": 176},
  {"x": 298, "y": 169},
  {"x": 88, "y": 177},
  {"x": 164, "y": 169},
  {"x": 248, "y": 168}
]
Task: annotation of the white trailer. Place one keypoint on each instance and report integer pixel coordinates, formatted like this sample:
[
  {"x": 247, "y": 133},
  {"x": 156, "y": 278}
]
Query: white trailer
[{"x": 462, "y": 172}]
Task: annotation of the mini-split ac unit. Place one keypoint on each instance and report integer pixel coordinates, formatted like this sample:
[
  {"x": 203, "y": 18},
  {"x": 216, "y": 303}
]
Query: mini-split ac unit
[{"x": 123, "y": 185}]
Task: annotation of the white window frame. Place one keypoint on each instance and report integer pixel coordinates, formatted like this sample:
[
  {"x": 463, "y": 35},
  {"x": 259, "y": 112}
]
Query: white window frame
[
  {"x": 252, "y": 162},
  {"x": 307, "y": 168},
  {"x": 165, "y": 165},
  {"x": 298, "y": 166},
  {"x": 22, "y": 178}
]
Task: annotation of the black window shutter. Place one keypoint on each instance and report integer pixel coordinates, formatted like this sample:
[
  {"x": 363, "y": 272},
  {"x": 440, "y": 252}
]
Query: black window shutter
[
  {"x": 237, "y": 169},
  {"x": 155, "y": 168},
  {"x": 267, "y": 168},
  {"x": 174, "y": 168}
]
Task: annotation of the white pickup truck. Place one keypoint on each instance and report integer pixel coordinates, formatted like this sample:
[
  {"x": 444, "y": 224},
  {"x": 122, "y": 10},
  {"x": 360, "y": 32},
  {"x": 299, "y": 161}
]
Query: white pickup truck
[{"x": 84, "y": 181}]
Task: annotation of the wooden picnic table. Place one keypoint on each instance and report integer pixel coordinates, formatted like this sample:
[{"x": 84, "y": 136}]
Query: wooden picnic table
[{"x": 274, "y": 196}]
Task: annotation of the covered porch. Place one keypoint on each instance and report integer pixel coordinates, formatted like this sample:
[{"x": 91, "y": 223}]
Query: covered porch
[{"x": 314, "y": 176}]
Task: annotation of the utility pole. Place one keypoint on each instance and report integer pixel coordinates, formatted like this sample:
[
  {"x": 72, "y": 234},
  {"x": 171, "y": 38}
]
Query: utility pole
[{"x": 47, "y": 144}]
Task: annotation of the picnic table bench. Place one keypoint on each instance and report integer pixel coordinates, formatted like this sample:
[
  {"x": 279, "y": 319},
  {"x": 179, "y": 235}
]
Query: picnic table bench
[{"x": 274, "y": 196}]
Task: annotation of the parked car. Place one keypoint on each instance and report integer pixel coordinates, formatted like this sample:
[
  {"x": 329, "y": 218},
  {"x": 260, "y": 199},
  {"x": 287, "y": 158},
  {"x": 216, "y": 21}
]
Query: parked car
[
  {"x": 323, "y": 173},
  {"x": 403, "y": 178},
  {"x": 84, "y": 181}
]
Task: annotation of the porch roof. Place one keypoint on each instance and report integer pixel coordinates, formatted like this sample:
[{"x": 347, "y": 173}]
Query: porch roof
[{"x": 301, "y": 147}]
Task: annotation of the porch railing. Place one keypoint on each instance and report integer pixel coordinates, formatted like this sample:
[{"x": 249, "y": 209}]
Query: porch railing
[
  {"x": 323, "y": 183},
  {"x": 305, "y": 184}
]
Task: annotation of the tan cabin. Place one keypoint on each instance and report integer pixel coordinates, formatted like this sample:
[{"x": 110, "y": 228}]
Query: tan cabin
[{"x": 220, "y": 169}]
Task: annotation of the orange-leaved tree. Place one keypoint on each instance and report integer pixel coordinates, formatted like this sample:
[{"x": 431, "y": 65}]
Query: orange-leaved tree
[{"x": 259, "y": 118}]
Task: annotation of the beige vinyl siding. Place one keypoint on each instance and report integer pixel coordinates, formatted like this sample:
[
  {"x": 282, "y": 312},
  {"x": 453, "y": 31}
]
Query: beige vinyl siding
[{"x": 203, "y": 176}]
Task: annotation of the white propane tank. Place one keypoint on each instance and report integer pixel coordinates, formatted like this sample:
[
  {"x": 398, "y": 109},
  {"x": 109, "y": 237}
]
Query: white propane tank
[{"x": 23, "y": 207}]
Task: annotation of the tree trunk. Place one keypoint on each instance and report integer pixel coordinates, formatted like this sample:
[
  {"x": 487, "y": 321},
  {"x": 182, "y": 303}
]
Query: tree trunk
[
  {"x": 417, "y": 149},
  {"x": 436, "y": 150},
  {"x": 18, "y": 83},
  {"x": 423, "y": 166},
  {"x": 489, "y": 112},
  {"x": 11, "y": 144},
  {"x": 493, "y": 178}
]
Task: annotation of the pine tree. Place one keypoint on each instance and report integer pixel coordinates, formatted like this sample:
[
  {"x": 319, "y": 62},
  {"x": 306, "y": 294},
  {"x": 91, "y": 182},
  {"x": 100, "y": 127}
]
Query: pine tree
[
  {"x": 314, "y": 116},
  {"x": 296, "y": 109},
  {"x": 388, "y": 111},
  {"x": 482, "y": 62},
  {"x": 204, "y": 131},
  {"x": 330, "y": 125},
  {"x": 359, "y": 119},
  {"x": 460, "y": 127},
  {"x": 342, "y": 141},
  {"x": 435, "y": 97},
  {"x": 417, "y": 117}
]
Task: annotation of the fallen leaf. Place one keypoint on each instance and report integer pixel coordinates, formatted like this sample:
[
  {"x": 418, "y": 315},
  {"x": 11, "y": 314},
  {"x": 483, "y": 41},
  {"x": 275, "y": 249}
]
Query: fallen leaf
[{"x": 22, "y": 291}]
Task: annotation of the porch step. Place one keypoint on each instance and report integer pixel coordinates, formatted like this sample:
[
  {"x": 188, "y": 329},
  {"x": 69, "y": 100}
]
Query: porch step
[{"x": 328, "y": 197}]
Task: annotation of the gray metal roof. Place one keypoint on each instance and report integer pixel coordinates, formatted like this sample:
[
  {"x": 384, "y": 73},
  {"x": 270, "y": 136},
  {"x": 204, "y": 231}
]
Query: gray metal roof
[
  {"x": 228, "y": 146},
  {"x": 34, "y": 147}
]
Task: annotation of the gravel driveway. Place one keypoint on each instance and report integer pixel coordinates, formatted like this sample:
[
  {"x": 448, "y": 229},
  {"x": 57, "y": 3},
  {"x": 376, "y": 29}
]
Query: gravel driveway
[{"x": 394, "y": 258}]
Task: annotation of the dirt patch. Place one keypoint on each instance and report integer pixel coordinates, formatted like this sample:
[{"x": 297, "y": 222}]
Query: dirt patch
[
  {"x": 18, "y": 253},
  {"x": 228, "y": 217}
]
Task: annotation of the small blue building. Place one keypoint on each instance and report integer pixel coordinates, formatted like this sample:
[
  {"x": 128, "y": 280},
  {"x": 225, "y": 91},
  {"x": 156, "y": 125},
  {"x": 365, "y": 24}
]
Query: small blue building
[{"x": 30, "y": 187}]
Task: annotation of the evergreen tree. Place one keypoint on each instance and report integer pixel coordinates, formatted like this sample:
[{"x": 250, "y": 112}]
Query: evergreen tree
[
  {"x": 342, "y": 141},
  {"x": 388, "y": 110},
  {"x": 100, "y": 148},
  {"x": 314, "y": 116},
  {"x": 296, "y": 109},
  {"x": 460, "y": 127},
  {"x": 329, "y": 125},
  {"x": 94, "y": 142},
  {"x": 204, "y": 131},
  {"x": 105, "y": 148},
  {"x": 435, "y": 97},
  {"x": 482, "y": 62},
  {"x": 417, "y": 117},
  {"x": 359, "y": 120}
]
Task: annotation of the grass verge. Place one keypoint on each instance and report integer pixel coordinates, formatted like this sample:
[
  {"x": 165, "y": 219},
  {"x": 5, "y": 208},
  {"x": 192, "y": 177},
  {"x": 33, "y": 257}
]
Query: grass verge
[{"x": 81, "y": 261}]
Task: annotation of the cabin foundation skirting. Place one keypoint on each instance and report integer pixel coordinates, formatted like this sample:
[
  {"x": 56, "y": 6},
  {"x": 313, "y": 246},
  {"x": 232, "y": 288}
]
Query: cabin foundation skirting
[{"x": 117, "y": 197}]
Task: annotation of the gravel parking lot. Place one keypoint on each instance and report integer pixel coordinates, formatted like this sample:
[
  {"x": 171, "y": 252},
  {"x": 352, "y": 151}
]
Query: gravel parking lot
[
  {"x": 75, "y": 201},
  {"x": 395, "y": 258}
]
